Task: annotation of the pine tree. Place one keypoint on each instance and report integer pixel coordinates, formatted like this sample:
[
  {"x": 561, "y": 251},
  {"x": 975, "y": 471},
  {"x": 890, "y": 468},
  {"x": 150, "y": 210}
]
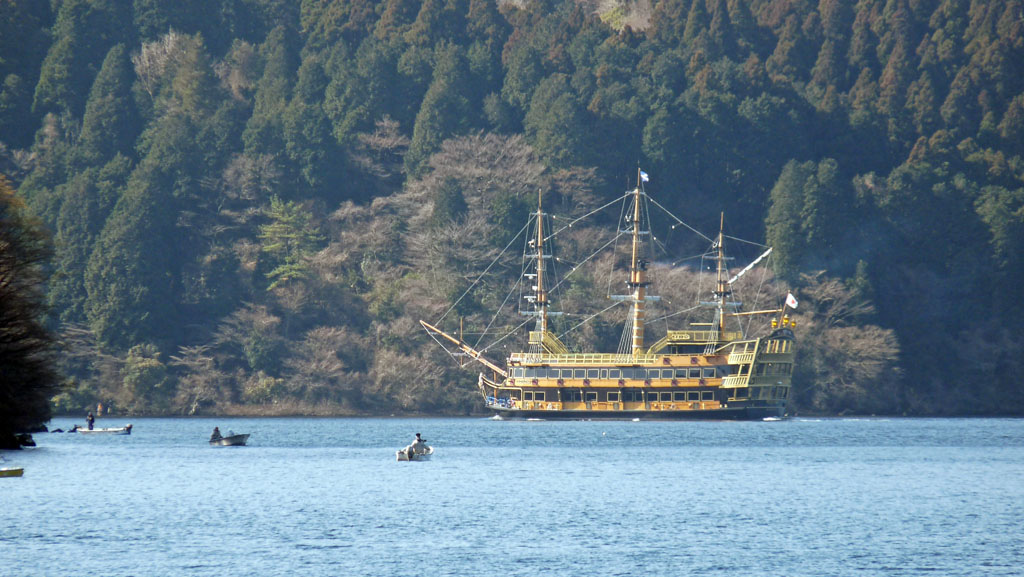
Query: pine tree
[{"x": 288, "y": 240}]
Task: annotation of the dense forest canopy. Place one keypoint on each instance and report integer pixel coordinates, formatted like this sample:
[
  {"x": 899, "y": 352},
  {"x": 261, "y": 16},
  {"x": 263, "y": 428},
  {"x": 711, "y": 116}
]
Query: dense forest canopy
[{"x": 253, "y": 201}]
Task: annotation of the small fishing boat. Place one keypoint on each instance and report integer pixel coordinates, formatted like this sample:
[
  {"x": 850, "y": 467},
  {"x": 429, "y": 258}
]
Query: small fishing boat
[
  {"x": 125, "y": 430},
  {"x": 12, "y": 471},
  {"x": 230, "y": 440},
  {"x": 408, "y": 454}
]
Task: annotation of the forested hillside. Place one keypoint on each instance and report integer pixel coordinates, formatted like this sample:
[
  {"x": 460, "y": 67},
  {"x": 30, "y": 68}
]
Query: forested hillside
[{"x": 252, "y": 202}]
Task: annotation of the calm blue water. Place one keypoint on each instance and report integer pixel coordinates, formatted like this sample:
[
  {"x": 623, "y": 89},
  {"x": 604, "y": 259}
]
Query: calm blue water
[{"x": 316, "y": 497}]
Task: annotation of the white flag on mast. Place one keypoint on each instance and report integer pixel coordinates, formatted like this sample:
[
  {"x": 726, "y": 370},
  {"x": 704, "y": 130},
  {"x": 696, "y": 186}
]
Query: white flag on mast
[{"x": 791, "y": 301}]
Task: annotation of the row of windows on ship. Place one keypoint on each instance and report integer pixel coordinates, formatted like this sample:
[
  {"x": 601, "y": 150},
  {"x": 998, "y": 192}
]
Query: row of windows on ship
[
  {"x": 640, "y": 374},
  {"x": 569, "y": 395}
]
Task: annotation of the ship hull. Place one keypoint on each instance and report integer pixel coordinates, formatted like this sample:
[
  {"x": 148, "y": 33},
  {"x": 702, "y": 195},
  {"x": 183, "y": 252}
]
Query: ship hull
[{"x": 724, "y": 414}]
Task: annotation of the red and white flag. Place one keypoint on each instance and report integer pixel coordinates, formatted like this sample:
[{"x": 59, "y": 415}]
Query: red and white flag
[{"x": 791, "y": 301}]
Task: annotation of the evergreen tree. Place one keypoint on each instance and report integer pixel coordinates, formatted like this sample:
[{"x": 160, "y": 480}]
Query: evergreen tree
[
  {"x": 922, "y": 106},
  {"x": 307, "y": 132},
  {"x": 696, "y": 21},
  {"x": 449, "y": 203},
  {"x": 864, "y": 41},
  {"x": 395, "y": 19},
  {"x": 827, "y": 69},
  {"x": 668, "y": 21},
  {"x": 828, "y": 207},
  {"x": 1011, "y": 127},
  {"x": 144, "y": 380},
  {"x": 194, "y": 90},
  {"x": 554, "y": 121},
  {"x": 84, "y": 32},
  {"x": 524, "y": 70},
  {"x": 87, "y": 202},
  {"x": 363, "y": 89},
  {"x": 15, "y": 104},
  {"x": 264, "y": 131},
  {"x": 783, "y": 222},
  {"x": 325, "y": 23},
  {"x": 1002, "y": 211},
  {"x": 111, "y": 122},
  {"x": 24, "y": 40},
  {"x": 445, "y": 112},
  {"x": 488, "y": 33},
  {"x": 288, "y": 240},
  {"x": 429, "y": 26},
  {"x": 131, "y": 278}
]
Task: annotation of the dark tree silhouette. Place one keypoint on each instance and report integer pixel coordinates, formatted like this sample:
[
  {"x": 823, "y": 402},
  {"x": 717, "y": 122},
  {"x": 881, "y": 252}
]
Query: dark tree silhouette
[{"x": 27, "y": 378}]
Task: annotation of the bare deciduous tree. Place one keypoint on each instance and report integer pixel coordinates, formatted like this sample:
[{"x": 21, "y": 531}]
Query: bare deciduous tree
[
  {"x": 843, "y": 361},
  {"x": 380, "y": 153},
  {"x": 239, "y": 71},
  {"x": 154, "y": 58},
  {"x": 319, "y": 368},
  {"x": 201, "y": 384}
]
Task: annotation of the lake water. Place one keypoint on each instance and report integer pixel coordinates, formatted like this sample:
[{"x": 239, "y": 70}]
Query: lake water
[{"x": 325, "y": 497}]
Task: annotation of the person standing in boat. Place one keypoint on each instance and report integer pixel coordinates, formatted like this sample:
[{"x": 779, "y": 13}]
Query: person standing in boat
[
  {"x": 89, "y": 420},
  {"x": 216, "y": 436}
]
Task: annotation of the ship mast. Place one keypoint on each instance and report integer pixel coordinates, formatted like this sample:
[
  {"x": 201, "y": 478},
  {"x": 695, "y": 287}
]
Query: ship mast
[
  {"x": 638, "y": 276},
  {"x": 541, "y": 340},
  {"x": 722, "y": 290},
  {"x": 541, "y": 294}
]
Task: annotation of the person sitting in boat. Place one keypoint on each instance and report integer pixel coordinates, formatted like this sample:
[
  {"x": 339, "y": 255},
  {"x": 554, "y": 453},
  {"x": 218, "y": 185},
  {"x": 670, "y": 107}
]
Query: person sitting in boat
[
  {"x": 419, "y": 445},
  {"x": 89, "y": 420},
  {"x": 216, "y": 434}
]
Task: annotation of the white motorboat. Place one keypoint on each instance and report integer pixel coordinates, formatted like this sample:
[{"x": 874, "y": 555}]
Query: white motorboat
[
  {"x": 409, "y": 454},
  {"x": 125, "y": 430}
]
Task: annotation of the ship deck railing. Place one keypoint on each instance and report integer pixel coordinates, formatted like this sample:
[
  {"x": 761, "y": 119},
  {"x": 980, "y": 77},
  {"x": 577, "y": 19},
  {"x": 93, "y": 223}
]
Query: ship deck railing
[
  {"x": 741, "y": 358},
  {"x": 581, "y": 359},
  {"x": 739, "y": 381}
]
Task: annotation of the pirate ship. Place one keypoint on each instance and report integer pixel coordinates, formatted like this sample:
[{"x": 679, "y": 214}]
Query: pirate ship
[{"x": 710, "y": 369}]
